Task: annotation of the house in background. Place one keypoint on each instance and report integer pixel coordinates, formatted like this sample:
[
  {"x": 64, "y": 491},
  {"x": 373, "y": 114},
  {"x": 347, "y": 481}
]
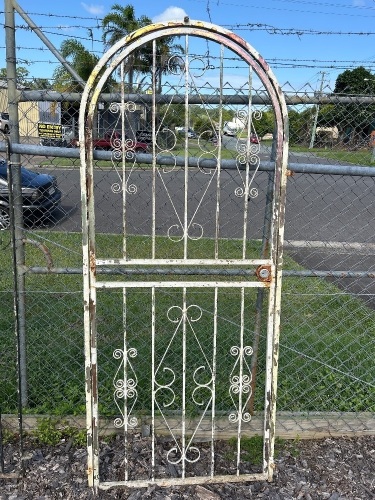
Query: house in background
[{"x": 31, "y": 113}]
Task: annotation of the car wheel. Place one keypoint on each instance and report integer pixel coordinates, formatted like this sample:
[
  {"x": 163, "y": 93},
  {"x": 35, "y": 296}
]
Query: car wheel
[{"x": 4, "y": 218}]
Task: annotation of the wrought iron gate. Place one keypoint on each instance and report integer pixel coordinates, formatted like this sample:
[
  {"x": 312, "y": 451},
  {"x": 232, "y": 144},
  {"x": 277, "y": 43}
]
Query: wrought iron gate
[{"x": 182, "y": 301}]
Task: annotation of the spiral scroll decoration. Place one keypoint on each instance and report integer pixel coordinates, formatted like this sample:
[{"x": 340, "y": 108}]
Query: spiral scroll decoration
[
  {"x": 202, "y": 384},
  {"x": 120, "y": 149},
  {"x": 240, "y": 384},
  {"x": 125, "y": 388},
  {"x": 248, "y": 153}
]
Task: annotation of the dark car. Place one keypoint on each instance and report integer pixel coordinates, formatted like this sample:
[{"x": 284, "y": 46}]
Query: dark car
[
  {"x": 40, "y": 194},
  {"x": 254, "y": 139},
  {"x": 113, "y": 141}
]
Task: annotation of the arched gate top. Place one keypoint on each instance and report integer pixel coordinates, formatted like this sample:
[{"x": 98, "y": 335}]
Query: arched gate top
[{"x": 113, "y": 58}]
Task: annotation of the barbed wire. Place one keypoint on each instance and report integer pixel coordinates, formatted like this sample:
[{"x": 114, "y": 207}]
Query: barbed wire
[
  {"x": 283, "y": 9},
  {"x": 354, "y": 7},
  {"x": 276, "y": 63},
  {"x": 66, "y": 16},
  {"x": 273, "y": 30},
  {"x": 280, "y": 63},
  {"x": 87, "y": 38},
  {"x": 226, "y": 58}
]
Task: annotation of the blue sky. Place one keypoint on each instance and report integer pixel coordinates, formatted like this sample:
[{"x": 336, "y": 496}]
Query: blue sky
[{"x": 299, "y": 39}]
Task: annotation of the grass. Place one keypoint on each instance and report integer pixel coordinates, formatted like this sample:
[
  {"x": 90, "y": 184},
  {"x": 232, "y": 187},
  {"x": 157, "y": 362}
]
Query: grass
[
  {"x": 357, "y": 157},
  {"x": 326, "y": 347},
  {"x": 194, "y": 151}
]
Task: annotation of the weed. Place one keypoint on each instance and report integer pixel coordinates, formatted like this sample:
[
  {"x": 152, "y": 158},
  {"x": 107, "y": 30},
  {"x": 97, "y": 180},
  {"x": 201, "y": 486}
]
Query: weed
[
  {"x": 51, "y": 431},
  {"x": 251, "y": 449},
  {"x": 8, "y": 436}
]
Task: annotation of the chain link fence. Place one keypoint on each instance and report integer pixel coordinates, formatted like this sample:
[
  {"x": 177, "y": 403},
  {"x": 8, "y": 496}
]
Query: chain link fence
[{"x": 326, "y": 382}]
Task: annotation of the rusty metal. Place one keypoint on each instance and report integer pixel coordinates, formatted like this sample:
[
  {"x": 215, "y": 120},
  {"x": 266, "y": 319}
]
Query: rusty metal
[
  {"x": 264, "y": 273},
  {"x": 187, "y": 228},
  {"x": 44, "y": 249}
]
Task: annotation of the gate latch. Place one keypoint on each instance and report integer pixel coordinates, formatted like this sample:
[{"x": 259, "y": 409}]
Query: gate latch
[{"x": 263, "y": 273}]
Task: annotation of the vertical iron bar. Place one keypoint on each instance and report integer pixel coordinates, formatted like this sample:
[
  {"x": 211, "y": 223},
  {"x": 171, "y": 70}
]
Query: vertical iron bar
[
  {"x": 278, "y": 227},
  {"x": 1, "y": 447},
  {"x": 125, "y": 379},
  {"x": 153, "y": 385},
  {"x": 154, "y": 169},
  {"x": 123, "y": 161},
  {"x": 218, "y": 176},
  {"x": 186, "y": 180},
  {"x": 124, "y": 291},
  {"x": 213, "y": 412},
  {"x": 240, "y": 381},
  {"x": 261, "y": 291},
  {"x": 89, "y": 291},
  {"x": 184, "y": 367},
  {"x": 247, "y": 173}
]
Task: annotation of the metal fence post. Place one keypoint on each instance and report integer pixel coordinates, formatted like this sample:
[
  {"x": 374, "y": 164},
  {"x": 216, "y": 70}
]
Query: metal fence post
[{"x": 16, "y": 200}]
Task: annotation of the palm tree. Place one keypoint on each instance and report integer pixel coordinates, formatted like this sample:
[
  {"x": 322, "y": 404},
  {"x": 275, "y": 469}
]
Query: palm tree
[
  {"x": 80, "y": 59},
  {"x": 118, "y": 24},
  {"x": 165, "y": 62}
]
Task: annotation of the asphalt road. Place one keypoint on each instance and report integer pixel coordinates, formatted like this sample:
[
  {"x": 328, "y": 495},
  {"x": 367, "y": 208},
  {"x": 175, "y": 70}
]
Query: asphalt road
[
  {"x": 332, "y": 218},
  {"x": 323, "y": 208}
]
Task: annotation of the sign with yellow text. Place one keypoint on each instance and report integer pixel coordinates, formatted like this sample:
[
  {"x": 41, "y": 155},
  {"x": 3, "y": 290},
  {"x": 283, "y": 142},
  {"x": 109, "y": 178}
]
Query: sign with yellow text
[{"x": 49, "y": 130}]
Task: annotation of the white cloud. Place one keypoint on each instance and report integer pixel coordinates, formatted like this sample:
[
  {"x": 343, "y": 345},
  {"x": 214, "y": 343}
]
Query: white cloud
[
  {"x": 170, "y": 14},
  {"x": 93, "y": 9}
]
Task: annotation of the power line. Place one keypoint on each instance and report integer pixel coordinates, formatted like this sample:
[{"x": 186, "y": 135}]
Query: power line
[{"x": 267, "y": 7}]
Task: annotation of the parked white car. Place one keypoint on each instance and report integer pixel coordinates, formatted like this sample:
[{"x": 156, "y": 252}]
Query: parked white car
[
  {"x": 230, "y": 129},
  {"x": 190, "y": 132},
  {"x": 4, "y": 122}
]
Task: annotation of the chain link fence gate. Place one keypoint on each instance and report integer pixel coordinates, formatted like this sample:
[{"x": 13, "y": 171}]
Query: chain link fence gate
[{"x": 174, "y": 306}]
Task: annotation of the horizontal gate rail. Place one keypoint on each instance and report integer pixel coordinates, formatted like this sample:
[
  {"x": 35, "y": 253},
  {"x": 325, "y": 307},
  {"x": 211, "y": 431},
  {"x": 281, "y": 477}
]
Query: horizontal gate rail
[
  {"x": 306, "y": 273},
  {"x": 264, "y": 166},
  {"x": 180, "y": 284},
  {"x": 303, "y": 98}
]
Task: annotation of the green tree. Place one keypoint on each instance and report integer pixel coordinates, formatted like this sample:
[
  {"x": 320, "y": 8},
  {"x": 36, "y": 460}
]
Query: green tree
[
  {"x": 356, "y": 81},
  {"x": 172, "y": 116},
  {"x": 300, "y": 126},
  {"x": 265, "y": 123},
  {"x": 21, "y": 73},
  {"x": 118, "y": 24},
  {"x": 354, "y": 120},
  {"x": 41, "y": 84},
  {"x": 81, "y": 60}
]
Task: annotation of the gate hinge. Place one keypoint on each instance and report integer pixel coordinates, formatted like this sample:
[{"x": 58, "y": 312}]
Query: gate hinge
[{"x": 263, "y": 273}]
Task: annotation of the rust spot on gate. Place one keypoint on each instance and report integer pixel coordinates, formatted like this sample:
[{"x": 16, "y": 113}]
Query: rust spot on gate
[{"x": 263, "y": 274}]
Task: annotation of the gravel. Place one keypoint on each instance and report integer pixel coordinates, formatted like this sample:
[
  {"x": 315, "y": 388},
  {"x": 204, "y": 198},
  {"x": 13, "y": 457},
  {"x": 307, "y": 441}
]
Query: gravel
[{"x": 330, "y": 468}]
